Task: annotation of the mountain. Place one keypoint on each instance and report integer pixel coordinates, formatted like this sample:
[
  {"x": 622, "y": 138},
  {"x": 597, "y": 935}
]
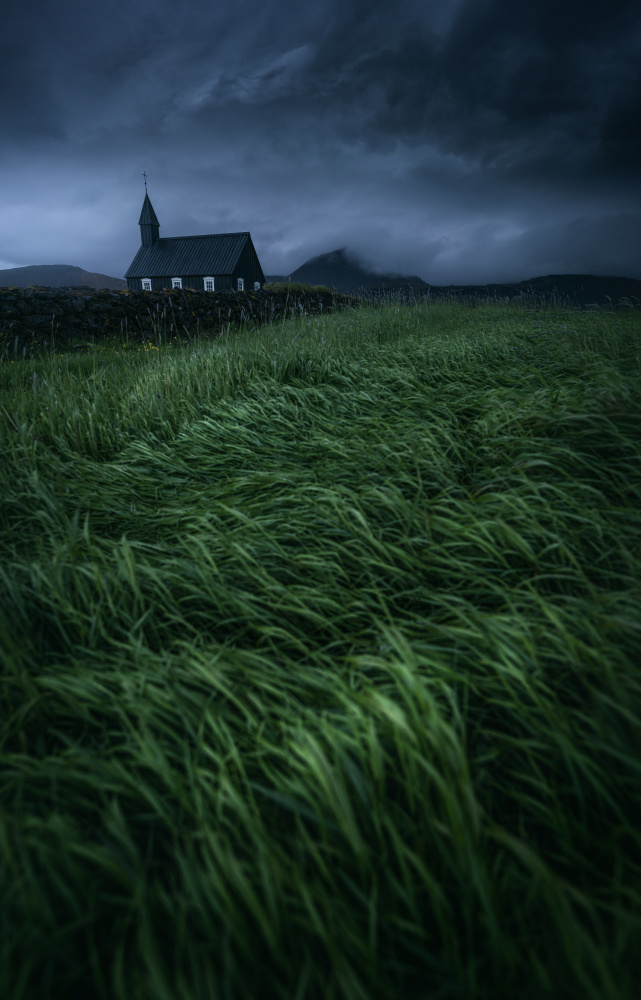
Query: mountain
[
  {"x": 578, "y": 289},
  {"x": 342, "y": 273},
  {"x": 56, "y": 276}
]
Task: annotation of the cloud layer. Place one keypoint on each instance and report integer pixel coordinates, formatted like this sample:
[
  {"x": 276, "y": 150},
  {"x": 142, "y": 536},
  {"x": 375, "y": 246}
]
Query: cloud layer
[{"x": 470, "y": 141}]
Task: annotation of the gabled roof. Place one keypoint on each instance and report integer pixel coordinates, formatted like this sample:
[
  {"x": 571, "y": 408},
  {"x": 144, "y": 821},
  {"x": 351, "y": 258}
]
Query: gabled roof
[{"x": 188, "y": 255}]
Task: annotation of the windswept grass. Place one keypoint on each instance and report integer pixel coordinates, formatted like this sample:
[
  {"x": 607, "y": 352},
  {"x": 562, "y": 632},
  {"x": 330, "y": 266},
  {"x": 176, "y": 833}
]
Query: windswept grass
[{"x": 321, "y": 661}]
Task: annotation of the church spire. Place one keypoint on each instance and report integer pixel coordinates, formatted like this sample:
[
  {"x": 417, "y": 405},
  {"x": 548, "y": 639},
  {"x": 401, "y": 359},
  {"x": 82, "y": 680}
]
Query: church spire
[{"x": 148, "y": 222}]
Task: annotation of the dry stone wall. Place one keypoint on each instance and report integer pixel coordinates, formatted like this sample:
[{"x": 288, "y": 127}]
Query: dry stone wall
[{"x": 71, "y": 315}]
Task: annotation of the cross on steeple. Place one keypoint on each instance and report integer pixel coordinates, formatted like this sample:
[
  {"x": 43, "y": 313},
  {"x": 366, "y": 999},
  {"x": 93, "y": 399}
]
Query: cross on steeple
[{"x": 145, "y": 176}]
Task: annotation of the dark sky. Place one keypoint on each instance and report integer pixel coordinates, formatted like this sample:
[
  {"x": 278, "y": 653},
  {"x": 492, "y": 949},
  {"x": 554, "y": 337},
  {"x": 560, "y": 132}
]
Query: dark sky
[{"x": 460, "y": 140}]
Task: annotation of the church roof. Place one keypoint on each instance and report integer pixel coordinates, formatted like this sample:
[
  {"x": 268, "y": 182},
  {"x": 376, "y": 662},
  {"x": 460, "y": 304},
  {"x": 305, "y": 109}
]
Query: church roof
[{"x": 189, "y": 255}]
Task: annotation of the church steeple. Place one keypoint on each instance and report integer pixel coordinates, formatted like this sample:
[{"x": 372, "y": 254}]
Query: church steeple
[{"x": 148, "y": 223}]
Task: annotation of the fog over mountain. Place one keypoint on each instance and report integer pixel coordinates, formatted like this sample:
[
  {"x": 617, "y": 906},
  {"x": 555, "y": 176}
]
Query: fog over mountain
[{"x": 341, "y": 272}]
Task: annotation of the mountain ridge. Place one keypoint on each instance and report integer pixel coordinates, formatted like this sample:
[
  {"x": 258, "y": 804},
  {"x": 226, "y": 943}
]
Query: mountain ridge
[
  {"x": 340, "y": 271},
  {"x": 57, "y": 276}
]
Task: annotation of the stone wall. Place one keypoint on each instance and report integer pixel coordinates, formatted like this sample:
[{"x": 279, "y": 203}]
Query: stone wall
[{"x": 70, "y": 315}]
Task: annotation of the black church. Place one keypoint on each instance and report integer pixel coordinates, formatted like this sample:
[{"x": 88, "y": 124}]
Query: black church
[{"x": 206, "y": 263}]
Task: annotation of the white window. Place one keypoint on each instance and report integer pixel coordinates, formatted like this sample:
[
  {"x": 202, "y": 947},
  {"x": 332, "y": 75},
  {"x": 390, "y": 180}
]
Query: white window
[
  {"x": 241, "y": 285},
  {"x": 209, "y": 284},
  {"x": 146, "y": 284},
  {"x": 256, "y": 286},
  {"x": 176, "y": 282}
]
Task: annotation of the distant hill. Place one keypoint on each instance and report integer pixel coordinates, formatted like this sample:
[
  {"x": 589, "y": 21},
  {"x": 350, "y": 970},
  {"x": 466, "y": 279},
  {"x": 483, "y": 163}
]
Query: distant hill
[
  {"x": 341, "y": 272},
  {"x": 56, "y": 276},
  {"x": 579, "y": 289}
]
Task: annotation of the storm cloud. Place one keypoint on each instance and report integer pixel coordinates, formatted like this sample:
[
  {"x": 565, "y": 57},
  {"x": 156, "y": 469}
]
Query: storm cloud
[{"x": 467, "y": 141}]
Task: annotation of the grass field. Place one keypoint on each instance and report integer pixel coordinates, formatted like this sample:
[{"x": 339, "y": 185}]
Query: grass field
[{"x": 321, "y": 661}]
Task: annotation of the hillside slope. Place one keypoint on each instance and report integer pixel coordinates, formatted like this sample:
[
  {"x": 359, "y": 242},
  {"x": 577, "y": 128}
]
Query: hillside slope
[
  {"x": 341, "y": 272},
  {"x": 56, "y": 276}
]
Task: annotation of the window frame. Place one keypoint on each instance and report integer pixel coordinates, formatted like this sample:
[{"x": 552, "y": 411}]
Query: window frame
[
  {"x": 240, "y": 284},
  {"x": 146, "y": 284},
  {"x": 213, "y": 283},
  {"x": 174, "y": 285},
  {"x": 257, "y": 286}
]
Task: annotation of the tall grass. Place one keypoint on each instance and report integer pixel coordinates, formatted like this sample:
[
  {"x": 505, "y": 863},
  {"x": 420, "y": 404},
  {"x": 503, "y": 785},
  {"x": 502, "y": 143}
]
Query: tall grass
[{"x": 321, "y": 661}]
